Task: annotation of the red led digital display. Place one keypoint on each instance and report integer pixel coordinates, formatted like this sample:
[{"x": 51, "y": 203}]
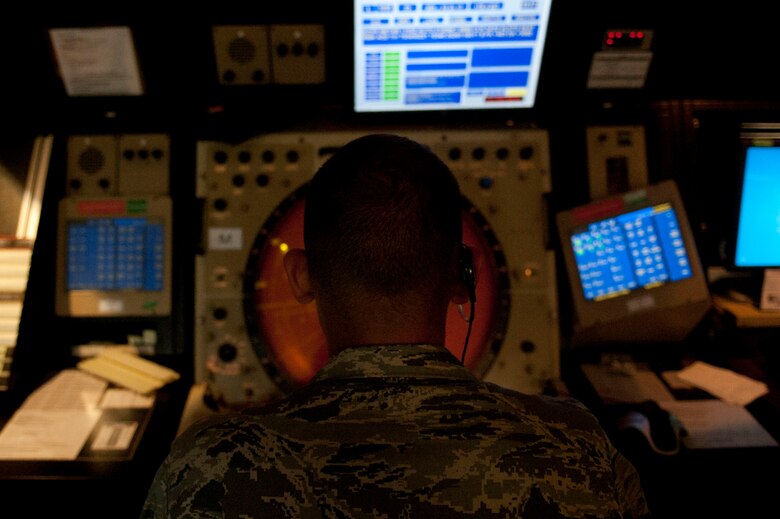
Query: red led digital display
[{"x": 624, "y": 39}]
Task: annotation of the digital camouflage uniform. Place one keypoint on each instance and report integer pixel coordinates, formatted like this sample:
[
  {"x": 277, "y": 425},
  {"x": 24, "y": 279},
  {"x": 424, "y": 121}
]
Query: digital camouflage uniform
[{"x": 398, "y": 431}]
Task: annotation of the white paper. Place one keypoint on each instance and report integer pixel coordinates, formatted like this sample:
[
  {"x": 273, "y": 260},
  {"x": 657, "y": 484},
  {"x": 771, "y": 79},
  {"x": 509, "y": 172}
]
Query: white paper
[
  {"x": 56, "y": 419},
  {"x": 226, "y": 238},
  {"x": 69, "y": 389},
  {"x": 125, "y": 399},
  {"x": 114, "y": 436},
  {"x": 723, "y": 383},
  {"x": 619, "y": 69},
  {"x": 673, "y": 380},
  {"x": 715, "y": 424},
  {"x": 97, "y": 61},
  {"x": 46, "y": 434}
]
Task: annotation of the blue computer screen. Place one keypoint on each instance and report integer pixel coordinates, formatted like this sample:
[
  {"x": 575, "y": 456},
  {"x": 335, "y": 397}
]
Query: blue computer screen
[
  {"x": 639, "y": 249},
  {"x": 447, "y": 55},
  {"x": 115, "y": 254},
  {"x": 758, "y": 224}
]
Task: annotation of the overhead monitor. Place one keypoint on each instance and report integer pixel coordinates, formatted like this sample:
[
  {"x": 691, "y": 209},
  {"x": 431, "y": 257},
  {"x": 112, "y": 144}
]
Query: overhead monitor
[
  {"x": 114, "y": 257},
  {"x": 412, "y": 55},
  {"x": 756, "y": 241},
  {"x": 633, "y": 267}
]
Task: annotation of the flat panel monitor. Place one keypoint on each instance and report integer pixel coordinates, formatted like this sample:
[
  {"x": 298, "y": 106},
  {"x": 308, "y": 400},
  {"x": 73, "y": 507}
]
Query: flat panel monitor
[
  {"x": 114, "y": 257},
  {"x": 633, "y": 267},
  {"x": 757, "y": 238},
  {"x": 412, "y": 55}
]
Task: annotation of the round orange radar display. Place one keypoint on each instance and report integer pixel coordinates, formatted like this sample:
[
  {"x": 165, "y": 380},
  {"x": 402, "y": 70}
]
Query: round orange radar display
[{"x": 286, "y": 334}]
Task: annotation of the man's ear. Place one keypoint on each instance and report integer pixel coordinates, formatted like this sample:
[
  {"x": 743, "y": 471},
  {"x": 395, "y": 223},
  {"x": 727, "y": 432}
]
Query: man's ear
[
  {"x": 460, "y": 294},
  {"x": 297, "y": 268}
]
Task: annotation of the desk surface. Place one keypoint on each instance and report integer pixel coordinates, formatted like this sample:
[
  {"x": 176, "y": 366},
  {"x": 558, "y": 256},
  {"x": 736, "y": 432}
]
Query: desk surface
[
  {"x": 746, "y": 314},
  {"x": 90, "y": 486},
  {"x": 737, "y": 482},
  {"x": 707, "y": 483}
]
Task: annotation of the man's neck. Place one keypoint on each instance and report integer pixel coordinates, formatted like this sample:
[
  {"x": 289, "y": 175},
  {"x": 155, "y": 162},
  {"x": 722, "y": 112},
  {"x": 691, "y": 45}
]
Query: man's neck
[{"x": 382, "y": 323}]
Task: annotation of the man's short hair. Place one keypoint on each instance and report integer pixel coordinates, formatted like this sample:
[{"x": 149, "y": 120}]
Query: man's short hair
[{"x": 383, "y": 213}]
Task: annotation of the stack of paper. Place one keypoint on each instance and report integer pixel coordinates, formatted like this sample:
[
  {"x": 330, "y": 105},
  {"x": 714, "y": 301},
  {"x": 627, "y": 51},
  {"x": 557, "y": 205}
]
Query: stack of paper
[{"x": 128, "y": 370}]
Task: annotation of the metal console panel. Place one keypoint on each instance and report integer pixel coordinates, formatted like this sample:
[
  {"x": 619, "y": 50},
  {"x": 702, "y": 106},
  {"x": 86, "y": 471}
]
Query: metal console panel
[{"x": 247, "y": 188}]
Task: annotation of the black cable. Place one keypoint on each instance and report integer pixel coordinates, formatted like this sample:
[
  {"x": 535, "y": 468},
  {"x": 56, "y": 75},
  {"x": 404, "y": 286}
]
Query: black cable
[
  {"x": 469, "y": 278},
  {"x": 468, "y": 332}
]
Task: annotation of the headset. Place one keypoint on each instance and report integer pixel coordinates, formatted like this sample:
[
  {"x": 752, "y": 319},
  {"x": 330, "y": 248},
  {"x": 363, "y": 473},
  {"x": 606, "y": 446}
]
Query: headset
[{"x": 469, "y": 278}]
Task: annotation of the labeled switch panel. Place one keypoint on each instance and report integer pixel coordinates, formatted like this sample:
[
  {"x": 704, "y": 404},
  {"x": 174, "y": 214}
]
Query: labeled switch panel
[
  {"x": 92, "y": 168},
  {"x": 298, "y": 54},
  {"x": 263, "y": 54},
  {"x": 242, "y": 54},
  {"x": 617, "y": 160},
  {"x": 144, "y": 164},
  {"x": 118, "y": 164}
]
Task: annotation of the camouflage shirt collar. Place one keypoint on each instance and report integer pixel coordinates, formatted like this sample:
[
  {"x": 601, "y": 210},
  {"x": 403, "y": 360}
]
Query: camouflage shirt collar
[{"x": 394, "y": 361}]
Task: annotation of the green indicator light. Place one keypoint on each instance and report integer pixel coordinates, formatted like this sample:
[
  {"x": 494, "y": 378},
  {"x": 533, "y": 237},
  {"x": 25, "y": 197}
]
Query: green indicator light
[{"x": 137, "y": 206}]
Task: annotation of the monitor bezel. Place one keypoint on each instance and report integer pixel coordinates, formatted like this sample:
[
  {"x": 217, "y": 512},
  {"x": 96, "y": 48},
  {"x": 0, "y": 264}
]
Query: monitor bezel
[
  {"x": 751, "y": 135},
  {"x": 402, "y": 116},
  {"x": 691, "y": 290},
  {"x": 118, "y": 302}
]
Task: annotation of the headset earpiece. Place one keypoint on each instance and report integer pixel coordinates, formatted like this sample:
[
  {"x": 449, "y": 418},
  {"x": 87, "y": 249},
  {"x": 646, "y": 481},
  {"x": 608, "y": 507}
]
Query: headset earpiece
[
  {"x": 469, "y": 278},
  {"x": 467, "y": 272}
]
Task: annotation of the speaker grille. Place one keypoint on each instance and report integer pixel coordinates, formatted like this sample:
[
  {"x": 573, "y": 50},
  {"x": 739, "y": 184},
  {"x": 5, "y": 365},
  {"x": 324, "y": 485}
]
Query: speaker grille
[
  {"x": 241, "y": 50},
  {"x": 91, "y": 160}
]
